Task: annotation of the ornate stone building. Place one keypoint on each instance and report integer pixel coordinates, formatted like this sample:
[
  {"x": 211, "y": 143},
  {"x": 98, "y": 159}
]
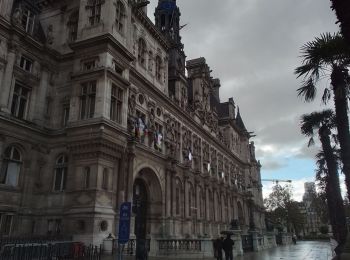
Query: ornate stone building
[{"x": 96, "y": 109}]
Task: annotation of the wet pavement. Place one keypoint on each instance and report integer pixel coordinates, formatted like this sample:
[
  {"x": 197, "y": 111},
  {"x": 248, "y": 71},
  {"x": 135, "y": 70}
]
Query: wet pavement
[{"x": 303, "y": 250}]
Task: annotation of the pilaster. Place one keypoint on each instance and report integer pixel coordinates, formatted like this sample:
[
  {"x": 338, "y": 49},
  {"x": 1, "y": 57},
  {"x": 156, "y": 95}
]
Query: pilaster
[{"x": 7, "y": 79}]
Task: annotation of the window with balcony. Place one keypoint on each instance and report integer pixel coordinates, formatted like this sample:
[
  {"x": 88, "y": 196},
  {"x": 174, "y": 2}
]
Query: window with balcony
[
  {"x": 26, "y": 63},
  {"x": 60, "y": 173},
  {"x": 158, "y": 68},
  {"x": 20, "y": 100},
  {"x": 142, "y": 52},
  {"x": 28, "y": 19},
  {"x": 11, "y": 167},
  {"x": 87, "y": 100},
  {"x": 116, "y": 104}
]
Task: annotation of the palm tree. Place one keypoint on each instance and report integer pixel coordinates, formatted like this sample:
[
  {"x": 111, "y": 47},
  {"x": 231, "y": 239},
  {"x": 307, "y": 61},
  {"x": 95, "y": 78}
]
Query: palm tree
[
  {"x": 329, "y": 55},
  {"x": 322, "y": 123},
  {"x": 342, "y": 10}
]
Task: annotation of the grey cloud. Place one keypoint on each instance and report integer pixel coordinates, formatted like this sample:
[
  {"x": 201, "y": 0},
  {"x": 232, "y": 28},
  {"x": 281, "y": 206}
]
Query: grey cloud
[
  {"x": 273, "y": 165},
  {"x": 253, "y": 47}
]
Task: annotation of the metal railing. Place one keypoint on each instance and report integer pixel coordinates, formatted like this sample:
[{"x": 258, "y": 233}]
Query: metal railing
[
  {"x": 50, "y": 251},
  {"x": 180, "y": 245},
  {"x": 130, "y": 247}
]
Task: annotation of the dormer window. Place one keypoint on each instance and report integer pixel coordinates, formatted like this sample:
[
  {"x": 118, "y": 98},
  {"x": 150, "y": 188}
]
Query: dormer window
[
  {"x": 142, "y": 52},
  {"x": 26, "y": 64},
  {"x": 120, "y": 14},
  {"x": 28, "y": 21},
  {"x": 95, "y": 11}
]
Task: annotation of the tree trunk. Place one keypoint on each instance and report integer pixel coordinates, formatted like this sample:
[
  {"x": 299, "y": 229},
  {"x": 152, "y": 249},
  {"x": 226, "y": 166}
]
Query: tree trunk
[
  {"x": 342, "y": 10},
  {"x": 334, "y": 198},
  {"x": 342, "y": 120}
]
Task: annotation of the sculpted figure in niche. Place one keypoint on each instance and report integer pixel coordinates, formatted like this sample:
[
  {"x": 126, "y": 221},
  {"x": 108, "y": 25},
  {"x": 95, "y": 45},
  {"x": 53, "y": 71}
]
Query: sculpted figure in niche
[
  {"x": 132, "y": 105},
  {"x": 17, "y": 15},
  {"x": 197, "y": 101},
  {"x": 152, "y": 123}
]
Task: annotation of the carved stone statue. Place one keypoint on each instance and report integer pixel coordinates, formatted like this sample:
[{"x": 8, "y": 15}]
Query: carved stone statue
[
  {"x": 132, "y": 105},
  {"x": 17, "y": 16},
  {"x": 49, "y": 34}
]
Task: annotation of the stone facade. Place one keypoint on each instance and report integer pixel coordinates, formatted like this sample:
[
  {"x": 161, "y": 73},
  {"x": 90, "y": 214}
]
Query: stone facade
[{"x": 96, "y": 109}]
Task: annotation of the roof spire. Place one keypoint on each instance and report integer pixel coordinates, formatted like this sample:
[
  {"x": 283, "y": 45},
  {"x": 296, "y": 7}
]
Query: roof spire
[{"x": 239, "y": 120}]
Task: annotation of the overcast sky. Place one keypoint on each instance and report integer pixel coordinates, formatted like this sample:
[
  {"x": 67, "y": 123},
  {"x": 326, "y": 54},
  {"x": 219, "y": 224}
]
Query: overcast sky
[{"x": 253, "y": 47}]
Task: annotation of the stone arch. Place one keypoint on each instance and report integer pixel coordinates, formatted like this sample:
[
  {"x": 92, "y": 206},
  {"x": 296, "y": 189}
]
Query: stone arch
[{"x": 148, "y": 180}]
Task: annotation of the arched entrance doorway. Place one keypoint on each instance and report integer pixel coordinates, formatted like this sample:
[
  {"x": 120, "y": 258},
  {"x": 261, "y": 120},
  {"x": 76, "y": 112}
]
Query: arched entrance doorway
[{"x": 140, "y": 208}]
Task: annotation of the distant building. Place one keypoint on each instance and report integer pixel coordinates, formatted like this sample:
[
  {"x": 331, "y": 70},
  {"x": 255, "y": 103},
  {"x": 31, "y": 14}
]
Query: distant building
[{"x": 313, "y": 221}]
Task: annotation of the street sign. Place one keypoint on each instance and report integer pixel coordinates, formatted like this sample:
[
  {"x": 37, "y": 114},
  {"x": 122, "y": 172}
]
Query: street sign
[{"x": 124, "y": 223}]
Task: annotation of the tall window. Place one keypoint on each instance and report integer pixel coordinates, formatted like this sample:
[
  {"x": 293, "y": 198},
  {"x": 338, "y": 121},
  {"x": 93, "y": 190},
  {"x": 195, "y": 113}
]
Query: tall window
[
  {"x": 73, "y": 26},
  {"x": 20, "y": 101},
  {"x": 116, "y": 104},
  {"x": 95, "y": 11},
  {"x": 142, "y": 52},
  {"x": 5, "y": 224},
  {"x": 158, "y": 68},
  {"x": 61, "y": 173},
  {"x": 119, "y": 18},
  {"x": 11, "y": 166},
  {"x": 105, "y": 179},
  {"x": 87, "y": 100},
  {"x": 86, "y": 176},
  {"x": 54, "y": 226},
  {"x": 28, "y": 21}
]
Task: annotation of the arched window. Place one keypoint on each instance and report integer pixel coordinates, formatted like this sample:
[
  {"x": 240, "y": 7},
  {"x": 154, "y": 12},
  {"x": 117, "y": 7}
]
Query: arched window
[
  {"x": 73, "y": 26},
  {"x": 142, "y": 52},
  {"x": 119, "y": 17},
  {"x": 158, "y": 68},
  {"x": 11, "y": 167},
  {"x": 86, "y": 177},
  {"x": 61, "y": 173},
  {"x": 105, "y": 177}
]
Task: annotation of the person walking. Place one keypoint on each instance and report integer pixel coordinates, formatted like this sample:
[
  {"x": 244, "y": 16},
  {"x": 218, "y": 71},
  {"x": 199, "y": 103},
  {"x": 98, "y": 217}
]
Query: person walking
[
  {"x": 228, "y": 247},
  {"x": 218, "y": 244}
]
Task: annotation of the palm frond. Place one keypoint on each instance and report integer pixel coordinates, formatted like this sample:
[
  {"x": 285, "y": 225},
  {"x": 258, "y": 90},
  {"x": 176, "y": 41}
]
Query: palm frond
[
  {"x": 311, "y": 142},
  {"x": 307, "y": 90},
  {"x": 326, "y": 95}
]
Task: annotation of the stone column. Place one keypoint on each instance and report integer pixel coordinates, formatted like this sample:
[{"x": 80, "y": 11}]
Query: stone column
[
  {"x": 41, "y": 95},
  {"x": 255, "y": 237},
  {"x": 129, "y": 178},
  {"x": 7, "y": 80}
]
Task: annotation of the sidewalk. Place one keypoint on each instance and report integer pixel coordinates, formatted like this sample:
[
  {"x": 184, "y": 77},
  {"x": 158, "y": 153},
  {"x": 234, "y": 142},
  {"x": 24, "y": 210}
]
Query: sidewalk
[{"x": 303, "y": 250}]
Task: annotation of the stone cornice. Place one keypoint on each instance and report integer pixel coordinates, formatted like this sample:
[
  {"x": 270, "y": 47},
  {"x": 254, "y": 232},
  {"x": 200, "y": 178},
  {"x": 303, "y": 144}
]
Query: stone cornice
[{"x": 105, "y": 38}]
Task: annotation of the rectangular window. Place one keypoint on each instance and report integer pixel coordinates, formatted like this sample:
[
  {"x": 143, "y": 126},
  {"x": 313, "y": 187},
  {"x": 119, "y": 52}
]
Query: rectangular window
[
  {"x": 5, "y": 224},
  {"x": 95, "y": 12},
  {"x": 28, "y": 21},
  {"x": 87, "y": 100},
  {"x": 116, "y": 104},
  {"x": 26, "y": 64},
  {"x": 60, "y": 179},
  {"x": 105, "y": 177},
  {"x": 54, "y": 226},
  {"x": 19, "y": 101}
]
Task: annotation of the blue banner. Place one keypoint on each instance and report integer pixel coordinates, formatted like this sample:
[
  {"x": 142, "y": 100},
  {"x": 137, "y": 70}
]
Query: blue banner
[{"x": 124, "y": 223}]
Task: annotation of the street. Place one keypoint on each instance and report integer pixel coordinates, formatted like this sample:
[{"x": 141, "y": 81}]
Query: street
[{"x": 303, "y": 250}]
